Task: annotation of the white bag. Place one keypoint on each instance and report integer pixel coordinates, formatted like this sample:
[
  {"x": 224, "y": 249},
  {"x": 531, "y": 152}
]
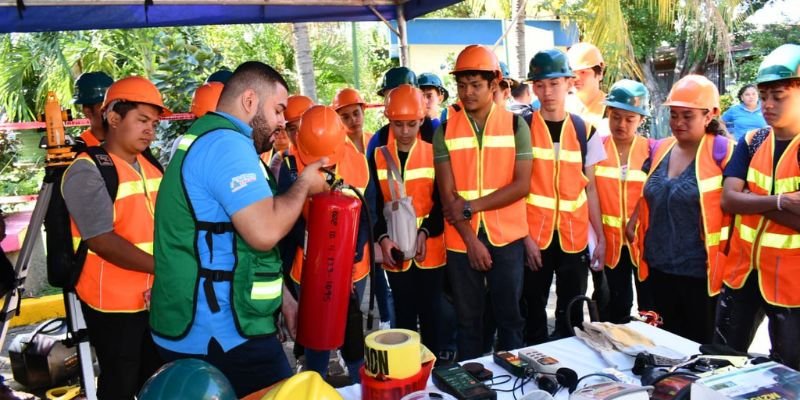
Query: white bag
[{"x": 401, "y": 219}]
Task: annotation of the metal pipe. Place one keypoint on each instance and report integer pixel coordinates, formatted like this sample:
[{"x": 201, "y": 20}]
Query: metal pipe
[
  {"x": 403, "y": 36},
  {"x": 356, "y": 78}
]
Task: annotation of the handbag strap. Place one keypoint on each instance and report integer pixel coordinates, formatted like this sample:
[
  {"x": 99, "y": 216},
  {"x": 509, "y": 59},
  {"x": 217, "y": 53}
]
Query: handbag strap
[{"x": 393, "y": 175}]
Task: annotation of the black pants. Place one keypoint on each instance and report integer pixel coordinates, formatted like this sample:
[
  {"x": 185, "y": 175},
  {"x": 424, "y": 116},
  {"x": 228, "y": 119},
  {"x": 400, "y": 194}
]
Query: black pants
[
  {"x": 644, "y": 293},
  {"x": 124, "y": 349},
  {"x": 740, "y": 311},
  {"x": 572, "y": 272},
  {"x": 250, "y": 366},
  {"x": 418, "y": 295},
  {"x": 620, "y": 290},
  {"x": 503, "y": 281},
  {"x": 684, "y": 304}
]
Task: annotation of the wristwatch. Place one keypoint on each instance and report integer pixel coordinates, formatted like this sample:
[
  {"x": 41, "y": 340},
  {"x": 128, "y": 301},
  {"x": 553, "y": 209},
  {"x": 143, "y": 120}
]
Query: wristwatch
[{"x": 467, "y": 211}]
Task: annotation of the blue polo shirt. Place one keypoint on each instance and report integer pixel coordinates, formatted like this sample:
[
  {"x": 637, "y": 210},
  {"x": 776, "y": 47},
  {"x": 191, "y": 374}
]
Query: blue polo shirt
[
  {"x": 739, "y": 120},
  {"x": 222, "y": 174}
]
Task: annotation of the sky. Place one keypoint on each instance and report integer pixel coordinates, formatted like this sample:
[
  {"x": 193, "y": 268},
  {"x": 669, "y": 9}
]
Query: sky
[{"x": 777, "y": 11}]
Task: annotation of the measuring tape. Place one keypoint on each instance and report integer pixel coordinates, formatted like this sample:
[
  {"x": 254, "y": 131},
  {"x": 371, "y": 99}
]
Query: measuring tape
[{"x": 21, "y": 126}]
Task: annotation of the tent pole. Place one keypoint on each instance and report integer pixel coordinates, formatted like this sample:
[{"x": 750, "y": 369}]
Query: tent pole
[
  {"x": 403, "y": 37},
  {"x": 356, "y": 71}
]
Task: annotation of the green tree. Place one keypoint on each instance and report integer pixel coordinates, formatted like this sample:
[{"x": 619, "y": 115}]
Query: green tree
[{"x": 762, "y": 42}]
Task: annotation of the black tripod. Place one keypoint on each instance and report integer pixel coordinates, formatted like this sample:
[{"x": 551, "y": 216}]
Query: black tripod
[{"x": 59, "y": 156}]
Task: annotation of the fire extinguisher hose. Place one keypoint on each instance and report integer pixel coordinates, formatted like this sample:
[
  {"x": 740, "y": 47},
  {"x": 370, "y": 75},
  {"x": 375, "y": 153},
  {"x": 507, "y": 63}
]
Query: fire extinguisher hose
[
  {"x": 371, "y": 248},
  {"x": 338, "y": 183}
]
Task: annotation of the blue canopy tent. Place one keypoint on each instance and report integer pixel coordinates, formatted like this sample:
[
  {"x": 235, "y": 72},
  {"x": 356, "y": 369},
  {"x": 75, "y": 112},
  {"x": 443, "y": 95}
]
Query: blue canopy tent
[{"x": 67, "y": 15}]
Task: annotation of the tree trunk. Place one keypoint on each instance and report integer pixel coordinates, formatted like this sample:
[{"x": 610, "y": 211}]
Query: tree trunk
[
  {"x": 518, "y": 12},
  {"x": 659, "y": 123},
  {"x": 304, "y": 60}
]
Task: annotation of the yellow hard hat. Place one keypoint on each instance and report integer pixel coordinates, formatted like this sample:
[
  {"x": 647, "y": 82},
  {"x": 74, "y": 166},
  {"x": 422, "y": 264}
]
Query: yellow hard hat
[
  {"x": 584, "y": 56},
  {"x": 307, "y": 385}
]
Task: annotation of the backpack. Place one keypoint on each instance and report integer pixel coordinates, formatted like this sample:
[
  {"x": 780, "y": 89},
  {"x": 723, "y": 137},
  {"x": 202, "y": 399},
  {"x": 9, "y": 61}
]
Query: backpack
[{"x": 64, "y": 264}]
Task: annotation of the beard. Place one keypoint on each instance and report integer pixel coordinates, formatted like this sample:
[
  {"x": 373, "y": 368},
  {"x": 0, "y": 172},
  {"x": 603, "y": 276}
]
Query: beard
[{"x": 262, "y": 133}]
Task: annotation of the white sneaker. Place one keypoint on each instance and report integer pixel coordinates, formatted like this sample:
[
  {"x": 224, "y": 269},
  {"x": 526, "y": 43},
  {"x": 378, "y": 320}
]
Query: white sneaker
[{"x": 384, "y": 325}]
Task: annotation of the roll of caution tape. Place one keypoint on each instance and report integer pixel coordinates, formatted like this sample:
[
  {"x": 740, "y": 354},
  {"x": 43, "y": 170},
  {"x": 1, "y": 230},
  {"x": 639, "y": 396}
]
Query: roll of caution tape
[{"x": 392, "y": 354}]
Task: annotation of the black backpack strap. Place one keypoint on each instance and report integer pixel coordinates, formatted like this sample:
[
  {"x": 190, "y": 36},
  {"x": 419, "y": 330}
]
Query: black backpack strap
[
  {"x": 583, "y": 134},
  {"x": 104, "y": 164},
  {"x": 106, "y": 167},
  {"x": 148, "y": 155},
  {"x": 515, "y": 123}
]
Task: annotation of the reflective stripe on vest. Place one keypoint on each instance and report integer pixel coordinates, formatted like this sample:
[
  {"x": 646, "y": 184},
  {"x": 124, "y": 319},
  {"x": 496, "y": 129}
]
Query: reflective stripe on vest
[
  {"x": 618, "y": 197},
  {"x": 760, "y": 243},
  {"x": 103, "y": 285},
  {"x": 418, "y": 180},
  {"x": 708, "y": 173},
  {"x": 267, "y": 290},
  {"x": 479, "y": 170},
  {"x": 557, "y": 199}
]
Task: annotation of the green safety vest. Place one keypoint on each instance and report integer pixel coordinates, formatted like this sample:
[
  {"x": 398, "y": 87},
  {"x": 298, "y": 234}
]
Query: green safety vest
[{"x": 256, "y": 278}]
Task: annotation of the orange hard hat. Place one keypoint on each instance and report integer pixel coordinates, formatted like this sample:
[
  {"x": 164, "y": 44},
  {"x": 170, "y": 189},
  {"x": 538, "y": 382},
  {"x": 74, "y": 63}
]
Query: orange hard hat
[
  {"x": 404, "y": 103},
  {"x": 135, "y": 89},
  {"x": 694, "y": 91},
  {"x": 347, "y": 97},
  {"x": 476, "y": 57},
  {"x": 295, "y": 107},
  {"x": 584, "y": 56},
  {"x": 206, "y": 97},
  {"x": 321, "y": 134}
]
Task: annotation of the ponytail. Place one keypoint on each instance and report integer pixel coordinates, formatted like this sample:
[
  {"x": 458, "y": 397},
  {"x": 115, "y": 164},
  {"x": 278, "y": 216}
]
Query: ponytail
[{"x": 716, "y": 128}]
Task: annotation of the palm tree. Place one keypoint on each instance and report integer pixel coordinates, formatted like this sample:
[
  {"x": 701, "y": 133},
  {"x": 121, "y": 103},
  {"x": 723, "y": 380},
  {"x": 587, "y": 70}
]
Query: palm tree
[
  {"x": 516, "y": 11},
  {"x": 305, "y": 60}
]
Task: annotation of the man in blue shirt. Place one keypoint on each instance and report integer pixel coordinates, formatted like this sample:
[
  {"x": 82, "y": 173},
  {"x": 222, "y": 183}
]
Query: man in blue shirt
[{"x": 218, "y": 284}]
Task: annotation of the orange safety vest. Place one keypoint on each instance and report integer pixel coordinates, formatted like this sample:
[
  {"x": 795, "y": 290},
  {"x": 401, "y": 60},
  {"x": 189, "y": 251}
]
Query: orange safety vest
[
  {"x": 89, "y": 138},
  {"x": 419, "y": 184},
  {"x": 708, "y": 173},
  {"x": 365, "y": 138},
  {"x": 479, "y": 170},
  {"x": 354, "y": 170},
  {"x": 557, "y": 198},
  {"x": 618, "y": 197},
  {"x": 103, "y": 285},
  {"x": 760, "y": 243}
]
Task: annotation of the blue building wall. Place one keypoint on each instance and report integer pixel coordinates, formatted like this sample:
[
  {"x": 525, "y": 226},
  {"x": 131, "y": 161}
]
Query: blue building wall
[{"x": 446, "y": 31}]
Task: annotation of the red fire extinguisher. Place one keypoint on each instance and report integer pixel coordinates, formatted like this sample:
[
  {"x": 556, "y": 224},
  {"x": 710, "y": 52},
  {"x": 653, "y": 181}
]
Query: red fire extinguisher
[{"x": 332, "y": 230}]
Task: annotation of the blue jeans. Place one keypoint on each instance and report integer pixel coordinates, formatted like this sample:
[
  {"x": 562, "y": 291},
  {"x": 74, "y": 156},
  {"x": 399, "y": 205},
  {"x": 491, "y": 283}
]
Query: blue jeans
[
  {"x": 383, "y": 296},
  {"x": 251, "y": 366},
  {"x": 504, "y": 284}
]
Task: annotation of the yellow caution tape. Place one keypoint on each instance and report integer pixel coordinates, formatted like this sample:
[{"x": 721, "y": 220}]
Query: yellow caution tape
[
  {"x": 393, "y": 354},
  {"x": 63, "y": 392}
]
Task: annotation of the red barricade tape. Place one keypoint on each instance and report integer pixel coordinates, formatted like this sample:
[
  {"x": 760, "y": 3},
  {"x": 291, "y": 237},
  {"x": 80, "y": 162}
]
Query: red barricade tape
[{"x": 21, "y": 126}]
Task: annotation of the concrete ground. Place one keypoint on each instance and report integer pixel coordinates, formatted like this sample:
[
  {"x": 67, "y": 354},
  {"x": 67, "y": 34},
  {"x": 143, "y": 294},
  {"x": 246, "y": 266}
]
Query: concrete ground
[{"x": 338, "y": 375}]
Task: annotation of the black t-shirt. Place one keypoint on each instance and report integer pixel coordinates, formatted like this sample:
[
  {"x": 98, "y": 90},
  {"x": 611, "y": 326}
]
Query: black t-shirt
[
  {"x": 555, "y": 134},
  {"x": 740, "y": 160}
]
